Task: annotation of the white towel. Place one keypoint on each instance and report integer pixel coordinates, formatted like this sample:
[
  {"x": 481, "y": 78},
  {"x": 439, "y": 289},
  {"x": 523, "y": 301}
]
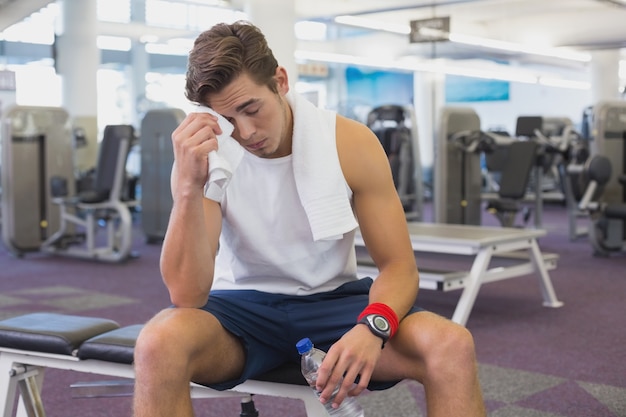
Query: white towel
[
  {"x": 317, "y": 172},
  {"x": 224, "y": 161}
]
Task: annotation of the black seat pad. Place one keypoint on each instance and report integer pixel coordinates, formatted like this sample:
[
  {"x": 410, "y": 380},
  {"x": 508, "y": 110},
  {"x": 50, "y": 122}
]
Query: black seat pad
[
  {"x": 51, "y": 332},
  {"x": 115, "y": 346}
]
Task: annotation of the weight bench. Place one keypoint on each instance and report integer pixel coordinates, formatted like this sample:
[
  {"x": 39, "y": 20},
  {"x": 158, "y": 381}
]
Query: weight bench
[{"x": 32, "y": 343}]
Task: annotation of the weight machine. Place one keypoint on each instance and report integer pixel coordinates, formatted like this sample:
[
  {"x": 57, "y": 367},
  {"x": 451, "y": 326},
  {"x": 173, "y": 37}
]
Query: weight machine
[{"x": 604, "y": 178}]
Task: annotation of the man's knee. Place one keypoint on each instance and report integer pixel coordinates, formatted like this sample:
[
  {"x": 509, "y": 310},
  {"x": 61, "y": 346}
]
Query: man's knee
[
  {"x": 189, "y": 339},
  {"x": 172, "y": 335},
  {"x": 461, "y": 341},
  {"x": 154, "y": 340},
  {"x": 455, "y": 351},
  {"x": 441, "y": 342}
]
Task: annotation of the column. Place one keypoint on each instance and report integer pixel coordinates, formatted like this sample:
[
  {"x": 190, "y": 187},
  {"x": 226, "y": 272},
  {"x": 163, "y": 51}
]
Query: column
[
  {"x": 605, "y": 75},
  {"x": 429, "y": 99},
  {"x": 78, "y": 57},
  {"x": 140, "y": 65},
  {"x": 77, "y": 60},
  {"x": 276, "y": 18}
]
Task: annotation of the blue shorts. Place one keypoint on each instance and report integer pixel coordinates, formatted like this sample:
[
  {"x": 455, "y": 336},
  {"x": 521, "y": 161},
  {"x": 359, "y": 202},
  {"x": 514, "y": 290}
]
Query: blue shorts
[{"x": 270, "y": 325}]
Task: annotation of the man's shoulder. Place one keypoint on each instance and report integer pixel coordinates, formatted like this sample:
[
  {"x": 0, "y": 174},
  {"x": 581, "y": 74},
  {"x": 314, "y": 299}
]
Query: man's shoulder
[
  {"x": 349, "y": 126},
  {"x": 350, "y": 132}
]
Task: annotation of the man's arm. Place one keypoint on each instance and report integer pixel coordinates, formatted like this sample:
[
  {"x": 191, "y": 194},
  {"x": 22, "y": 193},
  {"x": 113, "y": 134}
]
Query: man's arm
[
  {"x": 381, "y": 216},
  {"x": 191, "y": 240},
  {"x": 383, "y": 226}
]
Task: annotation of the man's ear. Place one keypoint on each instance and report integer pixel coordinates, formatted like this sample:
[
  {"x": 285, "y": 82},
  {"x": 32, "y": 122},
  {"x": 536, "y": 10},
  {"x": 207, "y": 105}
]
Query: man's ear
[{"x": 282, "y": 80}]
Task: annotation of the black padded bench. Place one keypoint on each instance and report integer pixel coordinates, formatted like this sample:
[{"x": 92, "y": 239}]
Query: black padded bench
[{"x": 32, "y": 343}]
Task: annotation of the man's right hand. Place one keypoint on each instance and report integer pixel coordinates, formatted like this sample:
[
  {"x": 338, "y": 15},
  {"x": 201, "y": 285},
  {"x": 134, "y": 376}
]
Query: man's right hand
[{"x": 192, "y": 141}]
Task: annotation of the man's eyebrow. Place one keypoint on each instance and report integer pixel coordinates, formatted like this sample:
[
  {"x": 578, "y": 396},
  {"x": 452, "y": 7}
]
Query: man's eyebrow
[{"x": 241, "y": 107}]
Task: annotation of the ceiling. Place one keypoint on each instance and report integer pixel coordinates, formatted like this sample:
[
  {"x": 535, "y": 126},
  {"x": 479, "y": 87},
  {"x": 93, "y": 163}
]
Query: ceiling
[
  {"x": 579, "y": 24},
  {"x": 14, "y": 11},
  {"x": 584, "y": 25}
]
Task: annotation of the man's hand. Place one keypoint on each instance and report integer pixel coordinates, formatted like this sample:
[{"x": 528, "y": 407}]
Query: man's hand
[
  {"x": 355, "y": 354},
  {"x": 192, "y": 140}
]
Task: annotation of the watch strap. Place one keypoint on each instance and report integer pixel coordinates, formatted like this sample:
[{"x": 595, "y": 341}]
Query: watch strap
[{"x": 378, "y": 325}]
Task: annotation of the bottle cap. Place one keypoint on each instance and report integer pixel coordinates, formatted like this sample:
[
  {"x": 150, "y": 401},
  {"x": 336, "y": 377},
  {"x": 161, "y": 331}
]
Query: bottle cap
[{"x": 304, "y": 345}]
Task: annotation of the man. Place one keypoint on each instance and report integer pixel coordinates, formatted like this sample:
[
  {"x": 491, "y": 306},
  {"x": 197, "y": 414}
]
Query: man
[{"x": 281, "y": 272}]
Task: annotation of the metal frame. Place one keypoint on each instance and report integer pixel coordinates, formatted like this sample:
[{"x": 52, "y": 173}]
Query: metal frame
[
  {"x": 22, "y": 377},
  {"x": 483, "y": 244}
]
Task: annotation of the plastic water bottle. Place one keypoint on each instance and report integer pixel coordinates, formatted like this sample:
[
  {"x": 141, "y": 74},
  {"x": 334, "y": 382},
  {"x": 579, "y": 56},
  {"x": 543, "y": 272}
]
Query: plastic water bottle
[{"x": 311, "y": 359}]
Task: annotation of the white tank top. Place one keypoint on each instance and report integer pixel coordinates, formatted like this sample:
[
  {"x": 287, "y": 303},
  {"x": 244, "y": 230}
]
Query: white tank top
[{"x": 266, "y": 242}]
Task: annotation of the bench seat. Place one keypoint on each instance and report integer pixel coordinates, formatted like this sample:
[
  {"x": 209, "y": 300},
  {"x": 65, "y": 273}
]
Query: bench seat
[{"x": 32, "y": 343}]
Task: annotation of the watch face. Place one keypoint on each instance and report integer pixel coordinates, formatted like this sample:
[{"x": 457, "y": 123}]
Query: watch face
[{"x": 381, "y": 323}]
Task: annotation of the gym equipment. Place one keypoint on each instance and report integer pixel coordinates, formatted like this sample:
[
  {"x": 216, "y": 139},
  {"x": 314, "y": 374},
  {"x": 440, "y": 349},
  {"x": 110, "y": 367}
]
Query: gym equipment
[
  {"x": 458, "y": 172},
  {"x": 559, "y": 144},
  {"x": 457, "y": 177},
  {"x": 606, "y": 233},
  {"x": 555, "y": 174},
  {"x": 516, "y": 250},
  {"x": 571, "y": 154},
  {"x": 608, "y": 135},
  {"x": 32, "y": 343},
  {"x": 521, "y": 158},
  {"x": 157, "y": 157},
  {"x": 391, "y": 124},
  {"x": 104, "y": 204},
  {"x": 605, "y": 175},
  {"x": 36, "y": 146}
]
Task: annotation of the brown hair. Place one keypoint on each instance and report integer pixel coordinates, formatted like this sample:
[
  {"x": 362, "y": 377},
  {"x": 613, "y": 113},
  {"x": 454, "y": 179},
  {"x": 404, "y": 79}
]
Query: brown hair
[{"x": 224, "y": 52}]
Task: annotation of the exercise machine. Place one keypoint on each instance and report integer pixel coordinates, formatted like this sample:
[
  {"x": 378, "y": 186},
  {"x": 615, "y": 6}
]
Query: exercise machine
[
  {"x": 36, "y": 146},
  {"x": 457, "y": 177},
  {"x": 104, "y": 207},
  {"x": 157, "y": 157},
  {"x": 458, "y": 165},
  {"x": 520, "y": 158},
  {"x": 555, "y": 175},
  {"x": 605, "y": 176},
  {"x": 392, "y": 125},
  {"x": 606, "y": 234}
]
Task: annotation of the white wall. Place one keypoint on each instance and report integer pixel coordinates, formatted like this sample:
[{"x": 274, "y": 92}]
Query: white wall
[{"x": 532, "y": 100}]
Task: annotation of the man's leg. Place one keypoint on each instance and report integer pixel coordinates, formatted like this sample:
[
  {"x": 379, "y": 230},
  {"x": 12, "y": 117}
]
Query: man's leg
[
  {"x": 179, "y": 345},
  {"x": 440, "y": 354}
]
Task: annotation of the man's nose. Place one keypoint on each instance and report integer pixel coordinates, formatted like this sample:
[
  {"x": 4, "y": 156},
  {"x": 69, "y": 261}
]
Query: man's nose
[{"x": 246, "y": 129}]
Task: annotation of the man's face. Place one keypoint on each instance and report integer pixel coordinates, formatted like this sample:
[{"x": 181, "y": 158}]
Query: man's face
[{"x": 260, "y": 116}]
